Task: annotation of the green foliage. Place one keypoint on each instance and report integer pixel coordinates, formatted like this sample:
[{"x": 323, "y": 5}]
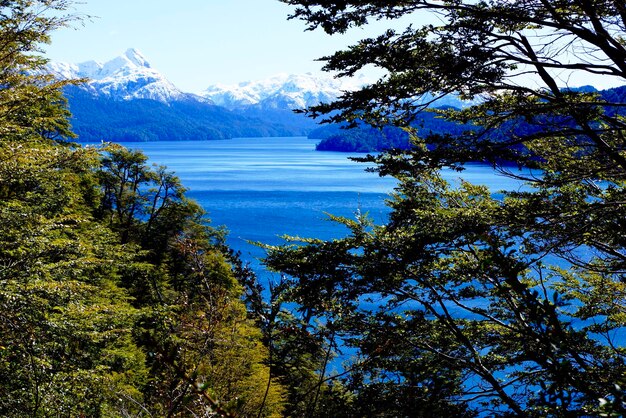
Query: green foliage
[
  {"x": 97, "y": 118},
  {"x": 67, "y": 327},
  {"x": 300, "y": 352},
  {"x": 203, "y": 353},
  {"x": 30, "y": 102},
  {"x": 116, "y": 296},
  {"x": 466, "y": 302}
]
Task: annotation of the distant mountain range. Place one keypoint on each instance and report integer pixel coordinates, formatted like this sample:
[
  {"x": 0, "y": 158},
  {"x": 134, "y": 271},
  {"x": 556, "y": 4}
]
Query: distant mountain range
[
  {"x": 127, "y": 77},
  {"x": 283, "y": 91},
  {"x": 126, "y": 99}
]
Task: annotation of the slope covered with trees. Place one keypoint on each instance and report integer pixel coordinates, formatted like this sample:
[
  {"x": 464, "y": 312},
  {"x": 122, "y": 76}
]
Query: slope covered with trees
[
  {"x": 97, "y": 118},
  {"x": 365, "y": 138},
  {"x": 117, "y": 298},
  {"x": 466, "y": 303}
]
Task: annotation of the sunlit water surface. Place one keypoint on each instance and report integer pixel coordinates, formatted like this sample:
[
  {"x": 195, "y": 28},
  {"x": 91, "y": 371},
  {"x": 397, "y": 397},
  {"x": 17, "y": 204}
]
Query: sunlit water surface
[{"x": 264, "y": 188}]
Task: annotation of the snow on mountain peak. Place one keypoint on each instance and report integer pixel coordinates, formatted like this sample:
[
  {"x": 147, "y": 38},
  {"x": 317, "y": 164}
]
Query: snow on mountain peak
[
  {"x": 129, "y": 62},
  {"x": 128, "y": 76},
  {"x": 298, "y": 91},
  {"x": 281, "y": 91},
  {"x": 136, "y": 58}
]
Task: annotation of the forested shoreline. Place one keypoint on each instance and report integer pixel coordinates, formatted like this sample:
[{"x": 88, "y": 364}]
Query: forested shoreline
[
  {"x": 365, "y": 138},
  {"x": 119, "y": 299}
]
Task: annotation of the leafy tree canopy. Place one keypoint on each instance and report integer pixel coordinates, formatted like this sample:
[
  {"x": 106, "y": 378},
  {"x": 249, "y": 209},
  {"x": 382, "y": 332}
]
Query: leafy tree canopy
[
  {"x": 117, "y": 298},
  {"x": 467, "y": 302}
]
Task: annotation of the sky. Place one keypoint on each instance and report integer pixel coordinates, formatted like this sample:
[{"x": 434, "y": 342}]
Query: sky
[{"x": 197, "y": 43}]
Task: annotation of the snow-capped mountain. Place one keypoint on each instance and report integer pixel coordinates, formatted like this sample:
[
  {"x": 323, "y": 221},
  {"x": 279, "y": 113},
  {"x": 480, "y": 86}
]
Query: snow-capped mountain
[
  {"x": 285, "y": 91},
  {"x": 105, "y": 106},
  {"x": 129, "y": 76},
  {"x": 282, "y": 91}
]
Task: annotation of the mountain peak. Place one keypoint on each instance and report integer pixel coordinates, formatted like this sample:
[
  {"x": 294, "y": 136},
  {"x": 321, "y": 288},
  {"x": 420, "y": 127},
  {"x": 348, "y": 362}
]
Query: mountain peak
[
  {"x": 132, "y": 60},
  {"x": 136, "y": 58},
  {"x": 288, "y": 91},
  {"x": 127, "y": 76}
]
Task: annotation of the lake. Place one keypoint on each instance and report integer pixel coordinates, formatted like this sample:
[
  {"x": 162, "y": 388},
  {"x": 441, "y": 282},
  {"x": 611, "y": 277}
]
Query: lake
[{"x": 263, "y": 188}]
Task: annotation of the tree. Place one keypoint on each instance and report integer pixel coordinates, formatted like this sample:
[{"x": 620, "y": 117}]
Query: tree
[
  {"x": 66, "y": 327},
  {"x": 509, "y": 305},
  {"x": 205, "y": 356},
  {"x": 300, "y": 351},
  {"x": 31, "y": 101},
  {"x": 116, "y": 296}
]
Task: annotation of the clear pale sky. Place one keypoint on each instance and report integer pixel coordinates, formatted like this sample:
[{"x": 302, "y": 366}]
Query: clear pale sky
[{"x": 196, "y": 43}]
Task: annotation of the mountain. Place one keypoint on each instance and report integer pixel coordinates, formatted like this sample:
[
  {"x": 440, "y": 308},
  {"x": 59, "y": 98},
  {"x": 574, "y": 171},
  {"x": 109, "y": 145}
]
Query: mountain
[
  {"x": 449, "y": 100},
  {"x": 98, "y": 118},
  {"x": 285, "y": 91},
  {"x": 276, "y": 98},
  {"x": 364, "y": 138},
  {"x": 281, "y": 92},
  {"x": 126, "y": 99},
  {"x": 127, "y": 77}
]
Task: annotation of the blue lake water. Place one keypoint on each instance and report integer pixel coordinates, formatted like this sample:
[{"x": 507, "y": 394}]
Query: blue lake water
[{"x": 263, "y": 188}]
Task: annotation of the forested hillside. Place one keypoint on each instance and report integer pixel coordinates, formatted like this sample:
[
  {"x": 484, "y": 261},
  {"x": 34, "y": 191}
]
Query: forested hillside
[
  {"x": 117, "y": 298},
  {"x": 98, "y": 118},
  {"x": 366, "y": 138}
]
